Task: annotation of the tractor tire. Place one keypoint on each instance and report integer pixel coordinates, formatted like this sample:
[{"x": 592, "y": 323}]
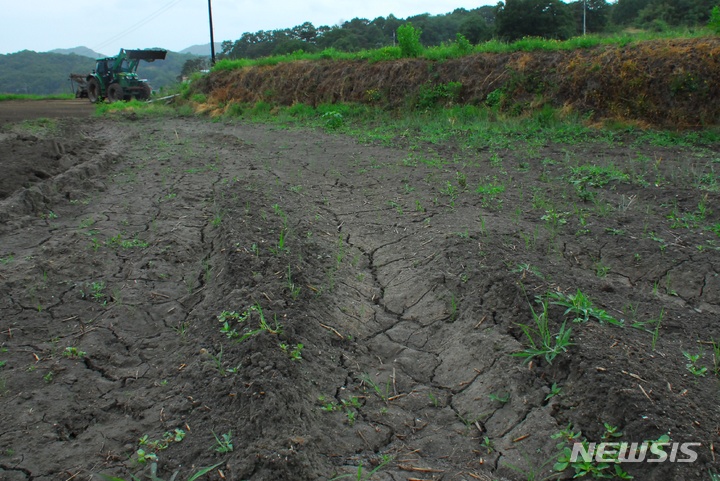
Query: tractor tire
[
  {"x": 115, "y": 93},
  {"x": 93, "y": 91},
  {"x": 145, "y": 93}
]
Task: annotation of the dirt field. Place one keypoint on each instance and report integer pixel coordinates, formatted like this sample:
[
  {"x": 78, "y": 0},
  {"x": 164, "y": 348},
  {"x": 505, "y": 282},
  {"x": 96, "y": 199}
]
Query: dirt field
[
  {"x": 174, "y": 289},
  {"x": 19, "y": 110}
]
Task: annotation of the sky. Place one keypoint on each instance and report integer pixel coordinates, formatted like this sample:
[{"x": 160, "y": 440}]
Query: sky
[{"x": 107, "y": 26}]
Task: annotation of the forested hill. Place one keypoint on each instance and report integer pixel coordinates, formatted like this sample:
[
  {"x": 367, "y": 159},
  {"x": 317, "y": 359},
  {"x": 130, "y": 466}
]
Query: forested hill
[
  {"x": 29, "y": 72},
  {"x": 509, "y": 20}
]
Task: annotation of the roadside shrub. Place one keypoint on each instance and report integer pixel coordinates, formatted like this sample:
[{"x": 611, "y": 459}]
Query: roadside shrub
[{"x": 409, "y": 40}]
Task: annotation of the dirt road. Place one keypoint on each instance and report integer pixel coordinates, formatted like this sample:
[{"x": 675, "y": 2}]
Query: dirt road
[
  {"x": 289, "y": 304},
  {"x": 19, "y": 110}
]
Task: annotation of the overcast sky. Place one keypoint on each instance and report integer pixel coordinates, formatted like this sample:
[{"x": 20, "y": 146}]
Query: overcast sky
[{"x": 108, "y": 25}]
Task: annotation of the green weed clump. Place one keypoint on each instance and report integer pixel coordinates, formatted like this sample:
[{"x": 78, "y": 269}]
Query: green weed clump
[{"x": 542, "y": 342}]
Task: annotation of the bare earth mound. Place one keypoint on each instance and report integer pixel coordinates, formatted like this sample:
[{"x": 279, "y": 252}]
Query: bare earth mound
[{"x": 287, "y": 304}]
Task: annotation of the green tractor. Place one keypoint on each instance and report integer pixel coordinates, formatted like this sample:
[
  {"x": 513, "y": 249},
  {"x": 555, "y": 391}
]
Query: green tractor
[{"x": 116, "y": 79}]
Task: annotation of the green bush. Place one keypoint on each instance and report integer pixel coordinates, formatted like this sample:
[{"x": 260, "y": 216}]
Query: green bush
[
  {"x": 430, "y": 95},
  {"x": 462, "y": 44},
  {"x": 409, "y": 40},
  {"x": 495, "y": 98},
  {"x": 384, "y": 53},
  {"x": 714, "y": 22}
]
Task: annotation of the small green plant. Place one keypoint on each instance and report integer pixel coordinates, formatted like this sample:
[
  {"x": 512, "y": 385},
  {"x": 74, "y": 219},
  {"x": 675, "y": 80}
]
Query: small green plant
[
  {"x": 500, "y": 398},
  {"x": 229, "y": 319},
  {"x": 611, "y": 432},
  {"x": 525, "y": 269},
  {"x": 490, "y": 192},
  {"x": 555, "y": 390},
  {"x": 451, "y": 191},
  {"x": 95, "y": 292},
  {"x": 143, "y": 457},
  {"x": 74, "y": 353},
  {"x": 601, "y": 270},
  {"x": 383, "y": 394},
  {"x": 461, "y": 180},
  {"x": 280, "y": 246},
  {"x": 224, "y": 443},
  {"x": 217, "y": 360},
  {"x": 217, "y": 219},
  {"x": 488, "y": 444},
  {"x": 48, "y": 378},
  {"x": 118, "y": 241},
  {"x": 716, "y": 357},
  {"x": 580, "y": 306},
  {"x": 295, "y": 353},
  {"x": 542, "y": 342},
  {"x": 589, "y": 466},
  {"x": 182, "y": 329},
  {"x": 333, "y": 120},
  {"x": 692, "y": 364},
  {"x": 656, "y": 331},
  {"x": 153, "y": 472},
  {"x": 359, "y": 476},
  {"x": 555, "y": 219},
  {"x": 292, "y": 287},
  {"x": 453, "y": 307}
]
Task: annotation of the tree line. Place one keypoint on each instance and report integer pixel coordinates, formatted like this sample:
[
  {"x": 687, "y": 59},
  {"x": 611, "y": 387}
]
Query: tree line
[{"x": 509, "y": 20}]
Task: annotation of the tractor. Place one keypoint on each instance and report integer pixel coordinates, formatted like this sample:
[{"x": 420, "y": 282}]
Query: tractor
[{"x": 116, "y": 79}]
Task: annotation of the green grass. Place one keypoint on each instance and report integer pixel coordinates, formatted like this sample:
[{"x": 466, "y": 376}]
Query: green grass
[
  {"x": 454, "y": 49},
  {"x": 35, "y": 97},
  {"x": 580, "y": 307}
]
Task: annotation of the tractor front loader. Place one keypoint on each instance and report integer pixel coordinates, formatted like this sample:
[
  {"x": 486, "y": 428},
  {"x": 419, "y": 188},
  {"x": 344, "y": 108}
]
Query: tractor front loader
[{"x": 116, "y": 79}]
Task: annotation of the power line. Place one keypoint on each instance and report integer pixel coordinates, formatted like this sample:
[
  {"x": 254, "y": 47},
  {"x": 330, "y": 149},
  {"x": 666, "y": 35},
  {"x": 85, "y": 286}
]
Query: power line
[{"x": 136, "y": 26}]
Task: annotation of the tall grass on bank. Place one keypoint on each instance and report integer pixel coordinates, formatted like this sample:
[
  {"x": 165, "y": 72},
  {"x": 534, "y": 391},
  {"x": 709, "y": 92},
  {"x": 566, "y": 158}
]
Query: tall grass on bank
[{"x": 459, "y": 48}]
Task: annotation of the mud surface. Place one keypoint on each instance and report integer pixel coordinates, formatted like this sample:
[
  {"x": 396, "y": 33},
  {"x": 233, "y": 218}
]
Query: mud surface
[
  {"x": 19, "y": 110},
  {"x": 330, "y": 305}
]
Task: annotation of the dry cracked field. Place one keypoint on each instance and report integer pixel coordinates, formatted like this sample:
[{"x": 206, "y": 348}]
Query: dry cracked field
[{"x": 288, "y": 304}]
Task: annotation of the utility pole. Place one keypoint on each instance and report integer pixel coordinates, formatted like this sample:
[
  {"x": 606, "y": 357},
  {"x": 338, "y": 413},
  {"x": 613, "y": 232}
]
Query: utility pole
[
  {"x": 212, "y": 37},
  {"x": 584, "y": 15}
]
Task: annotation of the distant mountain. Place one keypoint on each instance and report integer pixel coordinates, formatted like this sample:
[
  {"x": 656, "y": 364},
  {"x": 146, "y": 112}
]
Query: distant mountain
[
  {"x": 29, "y": 72},
  {"x": 202, "y": 50},
  {"x": 82, "y": 51}
]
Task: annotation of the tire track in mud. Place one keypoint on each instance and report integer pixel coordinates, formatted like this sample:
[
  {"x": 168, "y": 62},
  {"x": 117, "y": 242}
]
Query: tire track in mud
[
  {"x": 402, "y": 309},
  {"x": 111, "y": 308}
]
